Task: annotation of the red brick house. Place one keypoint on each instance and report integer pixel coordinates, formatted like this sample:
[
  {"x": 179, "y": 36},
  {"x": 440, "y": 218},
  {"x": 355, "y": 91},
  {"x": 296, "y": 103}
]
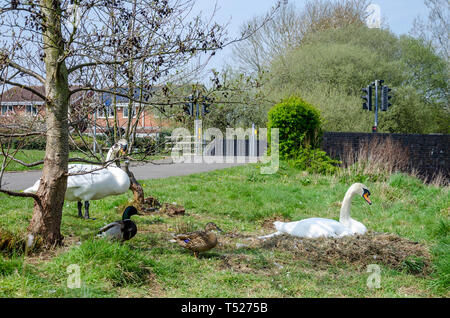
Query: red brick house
[{"x": 17, "y": 102}]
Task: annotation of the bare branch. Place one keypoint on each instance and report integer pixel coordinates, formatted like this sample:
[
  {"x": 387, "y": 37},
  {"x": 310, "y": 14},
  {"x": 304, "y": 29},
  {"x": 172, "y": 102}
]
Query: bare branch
[
  {"x": 21, "y": 194},
  {"x": 34, "y": 133},
  {"x": 26, "y": 87},
  {"x": 25, "y": 70}
]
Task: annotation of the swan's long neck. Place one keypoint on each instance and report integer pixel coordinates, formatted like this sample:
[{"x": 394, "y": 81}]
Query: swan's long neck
[
  {"x": 344, "y": 217},
  {"x": 110, "y": 155}
]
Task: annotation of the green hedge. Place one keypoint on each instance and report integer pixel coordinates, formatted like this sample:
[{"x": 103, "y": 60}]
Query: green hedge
[
  {"x": 300, "y": 132},
  {"x": 39, "y": 142},
  {"x": 141, "y": 144},
  {"x": 298, "y": 123},
  {"x": 315, "y": 161}
]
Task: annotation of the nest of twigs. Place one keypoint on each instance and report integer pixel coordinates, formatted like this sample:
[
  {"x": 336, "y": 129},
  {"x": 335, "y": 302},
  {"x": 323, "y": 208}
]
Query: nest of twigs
[
  {"x": 172, "y": 209},
  {"x": 361, "y": 250},
  {"x": 152, "y": 202},
  {"x": 152, "y": 205}
]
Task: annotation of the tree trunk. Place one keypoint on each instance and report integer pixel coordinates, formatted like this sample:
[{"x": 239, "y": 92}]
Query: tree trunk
[{"x": 46, "y": 219}]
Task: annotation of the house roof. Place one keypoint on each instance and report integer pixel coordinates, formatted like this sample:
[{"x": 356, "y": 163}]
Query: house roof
[
  {"x": 19, "y": 94},
  {"x": 22, "y": 96}
]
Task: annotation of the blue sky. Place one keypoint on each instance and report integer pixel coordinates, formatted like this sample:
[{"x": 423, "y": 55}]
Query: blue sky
[{"x": 399, "y": 15}]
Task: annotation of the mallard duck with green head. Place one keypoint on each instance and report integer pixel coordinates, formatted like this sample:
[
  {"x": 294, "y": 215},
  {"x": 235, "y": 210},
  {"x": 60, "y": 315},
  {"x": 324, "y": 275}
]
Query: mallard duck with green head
[
  {"x": 198, "y": 241},
  {"x": 122, "y": 230}
]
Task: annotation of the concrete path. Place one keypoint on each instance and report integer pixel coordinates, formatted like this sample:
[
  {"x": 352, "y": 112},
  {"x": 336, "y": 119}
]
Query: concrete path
[{"x": 164, "y": 168}]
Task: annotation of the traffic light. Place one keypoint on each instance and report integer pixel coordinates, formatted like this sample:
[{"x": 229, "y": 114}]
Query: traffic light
[
  {"x": 205, "y": 109},
  {"x": 367, "y": 98},
  {"x": 385, "y": 97},
  {"x": 189, "y": 108},
  {"x": 205, "y": 105}
]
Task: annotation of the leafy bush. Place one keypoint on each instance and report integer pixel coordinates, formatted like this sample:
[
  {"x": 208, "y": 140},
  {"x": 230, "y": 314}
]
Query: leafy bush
[
  {"x": 39, "y": 142},
  {"x": 298, "y": 123},
  {"x": 315, "y": 161},
  {"x": 299, "y": 136},
  {"x": 151, "y": 145},
  {"x": 36, "y": 142},
  {"x": 86, "y": 142}
]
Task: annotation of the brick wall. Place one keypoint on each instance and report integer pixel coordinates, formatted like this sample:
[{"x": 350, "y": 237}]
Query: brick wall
[{"x": 428, "y": 153}]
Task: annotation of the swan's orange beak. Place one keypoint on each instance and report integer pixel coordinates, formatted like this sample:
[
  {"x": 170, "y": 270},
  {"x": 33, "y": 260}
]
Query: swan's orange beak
[
  {"x": 123, "y": 150},
  {"x": 366, "y": 197}
]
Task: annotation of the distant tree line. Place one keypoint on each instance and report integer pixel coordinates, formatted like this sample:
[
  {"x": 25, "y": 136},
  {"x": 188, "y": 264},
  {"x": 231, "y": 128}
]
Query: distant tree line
[{"x": 325, "y": 54}]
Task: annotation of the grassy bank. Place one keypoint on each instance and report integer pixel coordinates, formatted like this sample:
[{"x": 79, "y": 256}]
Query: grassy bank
[
  {"x": 30, "y": 156},
  {"x": 244, "y": 204}
]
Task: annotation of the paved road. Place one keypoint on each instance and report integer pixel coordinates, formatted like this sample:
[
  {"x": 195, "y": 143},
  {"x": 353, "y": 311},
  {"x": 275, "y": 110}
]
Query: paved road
[{"x": 164, "y": 168}]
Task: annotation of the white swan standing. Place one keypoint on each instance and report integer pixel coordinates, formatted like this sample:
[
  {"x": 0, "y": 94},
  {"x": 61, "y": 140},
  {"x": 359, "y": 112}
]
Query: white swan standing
[
  {"x": 320, "y": 227},
  {"x": 94, "y": 185}
]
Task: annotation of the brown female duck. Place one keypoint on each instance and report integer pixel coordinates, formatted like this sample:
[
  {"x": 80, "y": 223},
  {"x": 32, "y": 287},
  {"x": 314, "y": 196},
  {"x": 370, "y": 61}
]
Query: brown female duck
[{"x": 199, "y": 241}]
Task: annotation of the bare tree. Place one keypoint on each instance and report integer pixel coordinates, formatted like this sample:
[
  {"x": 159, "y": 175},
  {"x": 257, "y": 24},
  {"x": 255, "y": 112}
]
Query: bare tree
[
  {"x": 153, "y": 83},
  {"x": 68, "y": 46},
  {"x": 282, "y": 31},
  {"x": 289, "y": 26},
  {"x": 436, "y": 29}
]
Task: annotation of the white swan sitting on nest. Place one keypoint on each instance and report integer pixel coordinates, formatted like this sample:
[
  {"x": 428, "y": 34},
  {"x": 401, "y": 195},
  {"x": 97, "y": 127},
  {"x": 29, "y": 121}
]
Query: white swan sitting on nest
[
  {"x": 320, "y": 227},
  {"x": 94, "y": 185}
]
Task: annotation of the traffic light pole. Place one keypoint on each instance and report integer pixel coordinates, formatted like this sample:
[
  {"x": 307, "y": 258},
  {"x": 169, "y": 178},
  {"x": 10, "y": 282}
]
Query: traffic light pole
[
  {"x": 375, "y": 127},
  {"x": 197, "y": 110},
  {"x": 198, "y": 135},
  {"x": 192, "y": 108},
  {"x": 384, "y": 100}
]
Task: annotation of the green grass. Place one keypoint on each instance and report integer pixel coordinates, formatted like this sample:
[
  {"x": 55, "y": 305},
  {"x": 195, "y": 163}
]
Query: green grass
[
  {"x": 239, "y": 200},
  {"x": 32, "y": 155}
]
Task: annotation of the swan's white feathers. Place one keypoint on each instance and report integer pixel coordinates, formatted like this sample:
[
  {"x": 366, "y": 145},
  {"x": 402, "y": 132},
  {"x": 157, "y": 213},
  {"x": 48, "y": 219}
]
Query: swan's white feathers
[
  {"x": 357, "y": 227},
  {"x": 94, "y": 185},
  {"x": 313, "y": 228},
  {"x": 97, "y": 184},
  {"x": 320, "y": 227},
  {"x": 92, "y": 182}
]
